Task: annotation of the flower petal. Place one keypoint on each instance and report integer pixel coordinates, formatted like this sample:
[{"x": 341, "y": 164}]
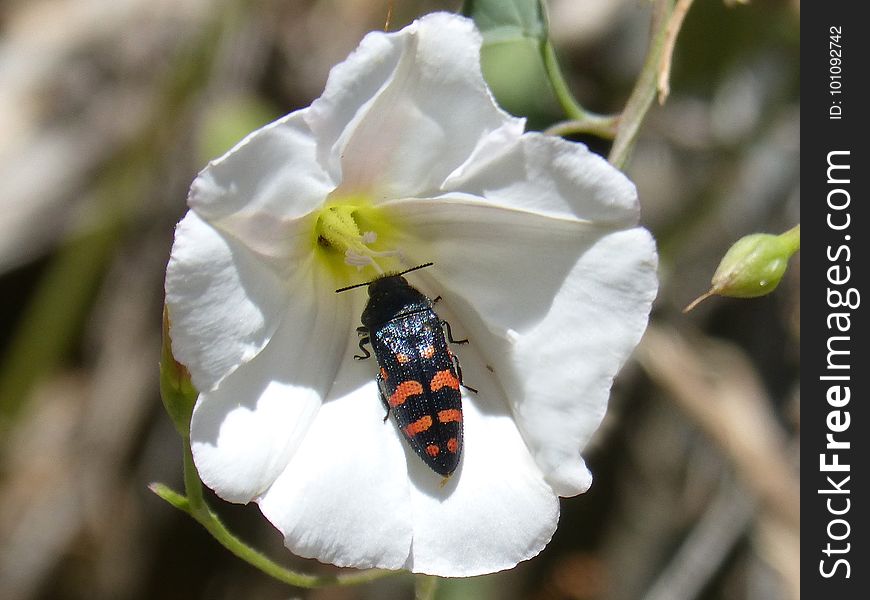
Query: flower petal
[
  {"x": 273, "y": 171},
  {"x": 554, "y": 305},
  {"x": 354, "y": 494},
  {"x": 496, "y": 510},
  {"x": 537, "y": 258},
  {"x": 506, "y": 263},
  {"x": 429, "y": 106},
  {"x": 244, "y": 432},
  {"x": 224, "y": 302},
  {"x": 594, "y": 323},
  {"x": 548, "y": 175},
  {"x": 343, "y": 497}
]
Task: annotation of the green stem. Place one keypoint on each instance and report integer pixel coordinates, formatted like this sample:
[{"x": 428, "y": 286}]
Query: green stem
[
  {"x": 645, "y": 89},
  {"x": 192, "y": 483},
  {"x": 563, "y": 94},
  {"x": 194, "y": 504},
  {"x": 793, "y": 238},
  {"x": 604, "y": 126},
  {"x": 579, "y": 120}
]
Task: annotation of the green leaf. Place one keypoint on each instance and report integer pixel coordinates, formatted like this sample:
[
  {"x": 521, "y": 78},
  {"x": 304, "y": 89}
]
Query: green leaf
[
  {"x": 508, "y": 20},
  {"x": 513, "y": 57}
]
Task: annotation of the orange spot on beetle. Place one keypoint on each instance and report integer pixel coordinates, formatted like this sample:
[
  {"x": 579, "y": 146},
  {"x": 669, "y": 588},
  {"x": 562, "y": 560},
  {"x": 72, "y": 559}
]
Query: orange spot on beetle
[
  {"x": 402, "y": 358},
  {"x": 432, "y": 450},
  {"x": 453, "y": 445},
  {"x": 421, "y": 424},
  {"x": 428, "y": 352},
  {"x": 384, "y": 374},
  {"x": 444, "y": 379},
  {"x": 403, "y": 391},
  {"x": 451, "y": 414}
]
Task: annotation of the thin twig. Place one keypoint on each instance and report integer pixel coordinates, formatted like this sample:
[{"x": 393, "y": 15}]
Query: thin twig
[
  {"x": 389, "y": 15},
  {"x": 644, "y": 89},
  {"x": 675, "y": 23}
]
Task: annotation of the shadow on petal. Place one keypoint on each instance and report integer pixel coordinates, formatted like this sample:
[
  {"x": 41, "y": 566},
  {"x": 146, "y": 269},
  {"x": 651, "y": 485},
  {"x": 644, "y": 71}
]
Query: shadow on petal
[{"x": 245, "y": 431}]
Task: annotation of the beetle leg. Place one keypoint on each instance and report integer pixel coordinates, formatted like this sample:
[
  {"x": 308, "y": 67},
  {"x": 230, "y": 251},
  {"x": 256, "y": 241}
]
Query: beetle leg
[
  {"x": 446, "y": 325},
  {"x": 459, "y": 374},
  {"x": 383, "y": 397},
  {"x": 364, "y": 339}
]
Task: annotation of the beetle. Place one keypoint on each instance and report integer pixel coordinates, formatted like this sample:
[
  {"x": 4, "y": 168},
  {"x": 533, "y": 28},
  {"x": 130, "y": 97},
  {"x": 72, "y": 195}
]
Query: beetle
[{"x": 418, "y": 376}]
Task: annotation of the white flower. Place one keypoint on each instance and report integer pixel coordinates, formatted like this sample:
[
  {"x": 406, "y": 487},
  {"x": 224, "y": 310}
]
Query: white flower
[{"x": 405, "y": 159}]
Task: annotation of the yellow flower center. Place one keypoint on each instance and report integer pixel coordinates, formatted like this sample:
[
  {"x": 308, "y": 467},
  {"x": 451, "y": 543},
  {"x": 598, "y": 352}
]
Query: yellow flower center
[{"x": 350, "y": 234}]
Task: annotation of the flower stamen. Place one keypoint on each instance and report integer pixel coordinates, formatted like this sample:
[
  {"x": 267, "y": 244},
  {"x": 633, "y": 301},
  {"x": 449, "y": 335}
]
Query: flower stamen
[{"x": 338, "y": 232}]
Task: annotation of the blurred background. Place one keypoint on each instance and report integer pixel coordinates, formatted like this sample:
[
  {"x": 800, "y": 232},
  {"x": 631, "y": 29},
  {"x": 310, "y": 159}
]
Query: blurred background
[{"x": 108, "y": 108}]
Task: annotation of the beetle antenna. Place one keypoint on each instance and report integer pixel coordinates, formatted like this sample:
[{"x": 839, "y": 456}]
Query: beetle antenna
[
  {"x": 423, "y": 266},
  {"x": 350, "y": 287}
]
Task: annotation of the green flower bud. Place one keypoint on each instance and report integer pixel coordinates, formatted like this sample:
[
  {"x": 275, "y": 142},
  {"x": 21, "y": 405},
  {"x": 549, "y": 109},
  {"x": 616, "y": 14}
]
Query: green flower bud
[
  {"x": 176, "y": 389},
  {"x": 753, "y": 266}
]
